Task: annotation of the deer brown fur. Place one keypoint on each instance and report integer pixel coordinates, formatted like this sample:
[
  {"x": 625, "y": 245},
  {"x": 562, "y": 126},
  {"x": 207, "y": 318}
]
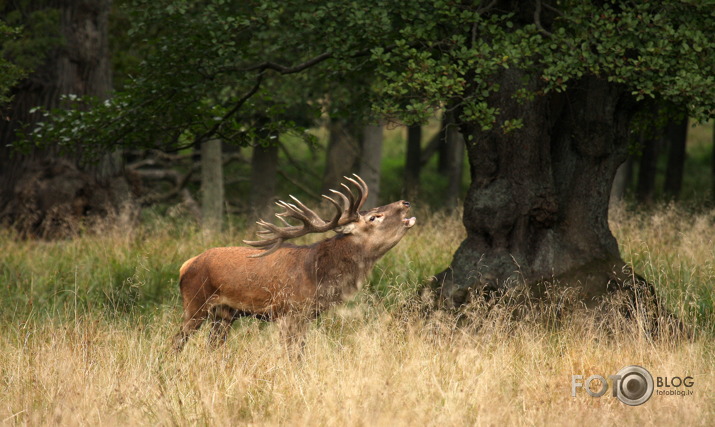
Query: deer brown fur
[{"x": 285, "y": 282}]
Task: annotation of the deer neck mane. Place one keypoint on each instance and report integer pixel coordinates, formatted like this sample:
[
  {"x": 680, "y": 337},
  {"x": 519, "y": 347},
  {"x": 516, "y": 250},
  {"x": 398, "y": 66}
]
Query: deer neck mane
[{"x": 342, "y": 261}]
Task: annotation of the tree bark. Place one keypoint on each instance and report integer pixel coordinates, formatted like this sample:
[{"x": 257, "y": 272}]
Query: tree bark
[
  {"x": 676, "y": 133},
  {"x": 44, "y": 192},
  {"x": 264, "y": 167},
  {"x": 537, "y": 207},
  {"x": 343, "y": 154},
  {"x": 212, "y": 190},
  {"x": 413, "y": 161},
  {"x": 370, "y": 162}
]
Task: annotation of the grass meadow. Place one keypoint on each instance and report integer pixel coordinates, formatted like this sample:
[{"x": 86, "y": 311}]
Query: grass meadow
[{"x": 86, "y": 328}]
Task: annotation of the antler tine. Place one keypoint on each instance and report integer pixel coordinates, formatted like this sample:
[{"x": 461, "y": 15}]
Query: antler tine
[
  {"x": 350, "y": 192},
  {"x": 312, "y": 223},
  {"x": 346, "y": 202},
  {"x": 268, "y": 251},
  {"x": 283, "y": 220},
  {"x": 279, "y": 232},
  {"x": 362, "y": 189},
  {"x": 301, "y": 213},
  {"x": 261, "y": 243},
  {"x": 346, "y": 214},
  {"x": 289, "y": 206},
  {"x": 314, "y": 218},
  {"x": 338, "y": 210}
]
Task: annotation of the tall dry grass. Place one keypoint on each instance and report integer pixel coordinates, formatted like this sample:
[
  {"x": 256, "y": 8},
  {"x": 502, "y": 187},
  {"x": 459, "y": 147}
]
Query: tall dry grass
[{"x": 73, "y": 354}]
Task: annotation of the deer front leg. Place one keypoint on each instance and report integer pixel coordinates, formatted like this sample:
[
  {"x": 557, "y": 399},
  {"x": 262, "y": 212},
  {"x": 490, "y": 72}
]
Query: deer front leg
[{"x": 293, "y": 329}]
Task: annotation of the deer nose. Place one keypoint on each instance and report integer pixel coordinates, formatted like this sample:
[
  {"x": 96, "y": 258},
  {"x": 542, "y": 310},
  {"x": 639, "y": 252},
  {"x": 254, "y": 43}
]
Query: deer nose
[{"x": 406, "y": 204}]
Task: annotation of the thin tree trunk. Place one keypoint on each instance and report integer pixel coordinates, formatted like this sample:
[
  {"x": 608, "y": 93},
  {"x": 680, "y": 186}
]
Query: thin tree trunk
[
  {"x": 370, "y": 162},
  {"x": 454, "y": 156},
  {"x": 264, "y": 167},
  {"x": 343, "y": 154},
  {"x": 443, "y": 149},
  {"x": 647, "y": 169},
  {"x": 412, "y": 161},
  {"x": 712, "y": 166},
  {"x": 212, "y": 189},
  {"x": 677, "y": 134}
]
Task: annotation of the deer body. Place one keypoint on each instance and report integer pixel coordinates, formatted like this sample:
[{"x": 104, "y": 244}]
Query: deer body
[{"x": 287, "y": 281}]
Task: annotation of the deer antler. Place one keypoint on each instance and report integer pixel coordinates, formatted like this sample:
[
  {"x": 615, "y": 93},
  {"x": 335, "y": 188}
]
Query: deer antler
[{"x": 346, "y": 213}]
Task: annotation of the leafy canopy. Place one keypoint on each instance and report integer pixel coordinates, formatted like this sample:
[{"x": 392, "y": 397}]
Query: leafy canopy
[{"x": 209, "y": 67}]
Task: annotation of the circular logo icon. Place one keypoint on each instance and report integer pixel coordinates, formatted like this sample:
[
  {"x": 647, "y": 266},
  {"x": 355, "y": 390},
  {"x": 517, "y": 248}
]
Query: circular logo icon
[{"x": 635, "y": 386}]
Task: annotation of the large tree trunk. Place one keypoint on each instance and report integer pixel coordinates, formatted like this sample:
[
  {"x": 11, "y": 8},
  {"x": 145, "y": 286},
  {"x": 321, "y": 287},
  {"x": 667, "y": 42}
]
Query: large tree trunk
[
  {"x": 370, "y": 162},
  {"x": 212, "y": 190},
  {"x": 537, "y": 207},
  {"x": 45, "y": 193}
]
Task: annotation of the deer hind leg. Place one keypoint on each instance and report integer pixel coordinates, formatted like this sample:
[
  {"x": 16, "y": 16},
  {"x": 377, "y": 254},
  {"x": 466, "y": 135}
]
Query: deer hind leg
[{"x": 222, "y": 317}]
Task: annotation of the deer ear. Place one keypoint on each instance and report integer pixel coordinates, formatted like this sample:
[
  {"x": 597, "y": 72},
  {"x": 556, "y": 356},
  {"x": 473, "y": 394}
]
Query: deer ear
[{"x": 345, "y": 229}]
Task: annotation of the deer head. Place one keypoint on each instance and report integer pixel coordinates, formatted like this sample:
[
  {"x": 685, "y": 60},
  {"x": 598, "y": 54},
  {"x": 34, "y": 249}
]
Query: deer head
[{"x": 376, "y": 231}]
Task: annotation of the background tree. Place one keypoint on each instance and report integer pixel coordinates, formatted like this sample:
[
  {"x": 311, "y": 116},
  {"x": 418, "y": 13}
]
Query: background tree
[
  {"x": 676, "y": 134},
  {"x": 371, "y": 162},
  {"x": 412, "y": 161},
  {"x": 212, "y": 185},
  {"x": 453, "y": 154},
  {"x": 45, "y": 190},
  {"x": 343, "y": 153}
]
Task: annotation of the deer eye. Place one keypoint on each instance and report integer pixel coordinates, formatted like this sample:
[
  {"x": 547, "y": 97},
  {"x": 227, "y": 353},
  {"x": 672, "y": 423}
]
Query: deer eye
[{"x": 374, "y": 217}]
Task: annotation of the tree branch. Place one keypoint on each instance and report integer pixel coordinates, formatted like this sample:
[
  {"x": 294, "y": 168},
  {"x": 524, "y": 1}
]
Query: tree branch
[
  {"x": 537, "y": 20},
  {"x": 305, "y": 189},
  {"x": 199, "y": 139},
  {"x": 261, "y": 69},
  {"x": 540, "y": 27},
  {"x": 487, "y": 7},
  {"x": 289, "y": 70},
  {"x": 295, "y": 164},
  {"x": 553, "y": 9}
]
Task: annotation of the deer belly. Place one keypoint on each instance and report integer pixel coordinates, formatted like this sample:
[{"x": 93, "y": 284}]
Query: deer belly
[{"x": 266, "y": 300}]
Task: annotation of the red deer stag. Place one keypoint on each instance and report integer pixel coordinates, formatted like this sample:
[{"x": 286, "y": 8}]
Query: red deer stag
[{"x": 285, "y": 282}]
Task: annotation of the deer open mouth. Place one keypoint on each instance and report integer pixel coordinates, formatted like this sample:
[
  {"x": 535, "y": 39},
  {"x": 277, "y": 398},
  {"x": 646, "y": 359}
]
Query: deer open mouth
[{"x": 409, "y": 222}]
